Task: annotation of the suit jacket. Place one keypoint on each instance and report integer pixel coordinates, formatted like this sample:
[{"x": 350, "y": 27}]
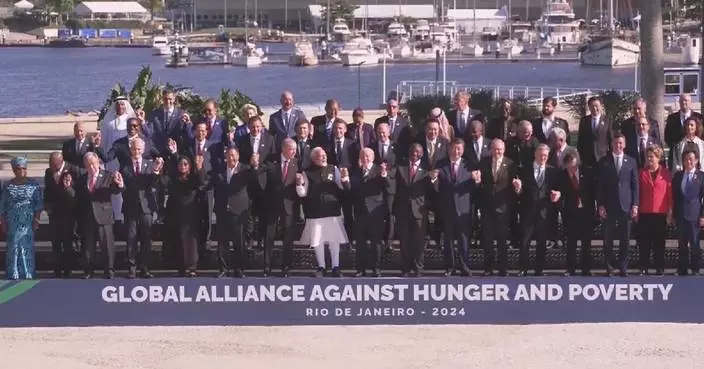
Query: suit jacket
[
  {"x": 633, "y": 147},
  {"x": 160, "y": 126},
  {"x": 471, "y": 155},
  {"x": 266, "y": 148},
  {"x": 138, "y": 195},
  {"x": 233, "y": 196},
  {"x": 68, "y": 150},
  {"x": 53, "y": 192},
  {"x": 455, "y": 192},
  {"x": 282, "y": 130},
  {"x": 120, "y": 150},
  {"x": 556, "y": 161},
  {"x": 463, "y": 132},
  {"x": 617, "y": 191},
  {"x": 279, "y": 196},
  {"x": 534, "y": 197},
  {"x": 522, "y": 152},
  {"x": 538, "y": 128},
  {"x": 593, "y": 144},
  {"x": 96, "y": 206},
  {"x": 674, "y": 130},
  {"x": 628, "y": 127},
  {"x": 303, "y": 149},
  {"x": 502, "y": 128},
  {"x": 498, "y": 196},
  {"x": 322, "y": 134},
  {"x": 400, "y": 132},
  {"x": 185, "y": 197},
  {"x": 213, "y": 154},
  {"x": 582, "y": 194},
  {"x": 367, "y": 134},
  {"x": 688, "y": 205},
  {"x": 368, "y": 193},
  {"x": 347, "y": 157},
  {"x": 442, "y": 145},
  {"x": 410, "y": 197},
  {"x": 391, "y": 153},
  {"x": 217, "y": 132}
]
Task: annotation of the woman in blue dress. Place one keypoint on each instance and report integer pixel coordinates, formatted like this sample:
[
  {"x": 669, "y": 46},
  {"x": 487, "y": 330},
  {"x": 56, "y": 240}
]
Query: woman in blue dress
[{"x": 20, "y": 206}]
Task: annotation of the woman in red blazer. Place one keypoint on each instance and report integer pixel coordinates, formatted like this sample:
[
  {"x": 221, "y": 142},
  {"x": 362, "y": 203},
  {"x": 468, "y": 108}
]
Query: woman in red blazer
[{"x": 655, "y": 210}]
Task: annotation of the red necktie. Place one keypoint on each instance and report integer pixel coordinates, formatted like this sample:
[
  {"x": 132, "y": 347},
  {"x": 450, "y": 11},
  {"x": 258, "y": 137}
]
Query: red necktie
[{"x": 284, "y": 171}]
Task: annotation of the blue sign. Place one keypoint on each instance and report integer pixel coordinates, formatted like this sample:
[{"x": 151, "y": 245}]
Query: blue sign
[
  {"x": 307, "y": 301},
  {"x": 64, "y": 33},
  {"x": 108, "y": 33},
  {"x": 88, "y": 33},
  {"x": 124, "y": 33}
]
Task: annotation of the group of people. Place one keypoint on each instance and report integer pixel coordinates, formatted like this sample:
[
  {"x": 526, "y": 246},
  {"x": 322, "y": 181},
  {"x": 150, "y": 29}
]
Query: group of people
[{"x": 364, "y": 183}]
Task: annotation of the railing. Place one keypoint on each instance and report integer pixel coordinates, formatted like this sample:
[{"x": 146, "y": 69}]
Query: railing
[{"x": 406, "y": 90}]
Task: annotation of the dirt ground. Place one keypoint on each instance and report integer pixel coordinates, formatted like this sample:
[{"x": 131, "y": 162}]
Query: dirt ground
[{"x": 584, "y": 346}]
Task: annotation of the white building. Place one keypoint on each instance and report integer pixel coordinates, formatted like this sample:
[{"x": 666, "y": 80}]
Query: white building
[
  {"x": 111, "y": 10},
  {"x": 465, "y": 19},
  {"x": 379, "y": 13}
]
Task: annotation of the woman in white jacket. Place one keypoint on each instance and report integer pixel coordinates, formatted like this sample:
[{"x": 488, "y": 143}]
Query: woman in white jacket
[{"x": 691, "y": 127}]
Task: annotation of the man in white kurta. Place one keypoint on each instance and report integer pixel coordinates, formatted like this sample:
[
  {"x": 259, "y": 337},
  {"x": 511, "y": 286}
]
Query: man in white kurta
[
  {"x": 112, "y": 128},
  {"x": 321, "y": 187}
]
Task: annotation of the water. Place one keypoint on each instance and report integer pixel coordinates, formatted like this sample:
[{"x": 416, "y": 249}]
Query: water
[{"x": 43, "y": 81}]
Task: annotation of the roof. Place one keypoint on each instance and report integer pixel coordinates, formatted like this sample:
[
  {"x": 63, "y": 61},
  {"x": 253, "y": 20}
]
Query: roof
[
  {"x": 481, "y": 13},
  {"x": 385, "y": 11},
  {"x": 114, "y": 7}
]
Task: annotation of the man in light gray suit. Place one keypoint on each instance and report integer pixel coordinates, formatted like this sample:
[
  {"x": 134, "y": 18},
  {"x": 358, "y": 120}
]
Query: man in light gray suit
[
  {"x": 282, "y": 124},
  {"x": 164, "y": 123}
]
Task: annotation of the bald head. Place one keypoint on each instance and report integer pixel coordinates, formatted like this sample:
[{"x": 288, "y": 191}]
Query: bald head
[
  {"x": 286, "y": 100},
  {"x": 685, "y": 103},
  {"x": 79, "y": 131}
]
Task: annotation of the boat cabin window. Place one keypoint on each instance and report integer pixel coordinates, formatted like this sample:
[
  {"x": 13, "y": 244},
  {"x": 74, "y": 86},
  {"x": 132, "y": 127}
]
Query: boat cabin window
[
  {"x": 677, "y": 83},
  {"x": 689, "y": 83},
  {"x": 672, "y": 84}
]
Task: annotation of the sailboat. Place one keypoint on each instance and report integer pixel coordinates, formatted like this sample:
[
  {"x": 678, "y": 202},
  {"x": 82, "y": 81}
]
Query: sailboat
[
  {"x": 609, "y": 50},
  {"x": 250, "y": 56},
  {"x": 474, "y": 48}
]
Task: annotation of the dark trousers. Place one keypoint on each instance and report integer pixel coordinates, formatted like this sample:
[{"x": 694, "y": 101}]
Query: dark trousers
[
  {"x": 139, "y": 229},
  {"x": 457, "y": 230},
  {"x": 348, "y": 216},
  {"x": 368, "y": 236},
  {"x": 494, "y": 225},
  {"x": 390, "y": 222},
  {"x": 231, "y": 229},
  {"x": 206, "y": 222},
  {"x": 412, "y": 240},
  {"x": 94, "y": 233},
  {"x": 61, "y": 242},
  {"x": 273, "y": 224},
  {"x": 689, "y": 250},
  {"x": 652, "y": 231},
  {"x": 617, "y": 225},
  {"x": 579, "y": 227},
  {"x": 189, "y": 230},
  {"x": 533, "y": 224}
]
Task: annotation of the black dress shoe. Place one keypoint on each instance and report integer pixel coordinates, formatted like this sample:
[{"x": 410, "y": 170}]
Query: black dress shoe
[
  {"x": 67, "y": 273},
  {"x": 285, "y": 272},
  {"x": 238, "y": 273},
  {"x": 319, "y": 273},
  {"x": 336, "y": 272},
  {"x": 360, "y": 273},
  {"x": 587, "y": 274},
  {"x": 109, "y": 274},
  {"x": 405, "y": 275},
  {"x": 659, "y": 272},
  {"x": 623, "y": 273},
  {"x": 503, "y": 273},
  {"x": 418, "y": 273},
  {"x": 466, "y": 273},
  {"x": 538, "y": 273},
  {"x": 222, "y": 274},
  {"x": 131, "y": 275},
  {"x": 376, "y": 273}
]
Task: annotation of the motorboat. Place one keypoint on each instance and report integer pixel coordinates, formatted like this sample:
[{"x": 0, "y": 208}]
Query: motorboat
[
  {"x": 160, "y": 46},
  {"x": 357, "y": 51},
  {"x": 250, "y": 56},
  {"x": 340, "y": 27},
  {"x": 558, "y": 24},
  {"x": 421, "y": 30},
  {"x": 609, "y": 52},
  {"x": 511, "y": 47},
  {"x": 474, "y": 49},
  {"x": 396, "y": 29},
  {"x": 178, "y": 56},
  {"x": 303, "y": 55},
  {"x": 73, "y": 41},
  {"x": 427, "y": 51},
  {"x": 177, "y": 43}
]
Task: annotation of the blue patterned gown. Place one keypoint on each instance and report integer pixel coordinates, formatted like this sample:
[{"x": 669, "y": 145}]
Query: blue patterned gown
[{"x": 17, "y": 206}]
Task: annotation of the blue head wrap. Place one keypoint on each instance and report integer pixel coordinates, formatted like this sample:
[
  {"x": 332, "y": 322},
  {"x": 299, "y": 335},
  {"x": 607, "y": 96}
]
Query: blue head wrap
[{"x": 19, "y": 162}]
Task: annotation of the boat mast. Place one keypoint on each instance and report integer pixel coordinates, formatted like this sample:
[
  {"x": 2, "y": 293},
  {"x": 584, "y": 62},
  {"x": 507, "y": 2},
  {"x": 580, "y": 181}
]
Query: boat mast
[
  {"x": 474, "y": 21},
  {"x": 246, "y": 23},
  {"x": 612, "y": 26}
]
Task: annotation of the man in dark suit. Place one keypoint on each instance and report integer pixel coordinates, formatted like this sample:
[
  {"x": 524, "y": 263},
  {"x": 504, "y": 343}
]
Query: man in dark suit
[
  {"x": 74, "y": 149},
  {"x": 688, "y": 196},
  {"x": 304, "y": 144},
  {"x": 368, "y": 184},
  {"x": 278, "y": 180},
  {"x": 94, "y": 190},
  {"x": 594, "y": 135},
  {"x": 638, "y": 143},
  {"x": 674, "y": 124},
  {"x": 479, "y": 146},
  {"x": 456, "y": 182},
  {"x": 218, "y": 130},
  {"x": 462, "y": 115},
  {"x": 578, "y": 213},
  {"x": 521, "y": 148},
  {"x": 256, "y": 141},
  {"x": 617, "y": 197},
  {"x": 385, "y": 152},
  {"x": 628, "y": 126},
  {"x": 559, "y": 148},
  {"x": 538, "y": 189},
  {"x": 343, "y": 153},
  {"x": 498, "y": 174},
  {"x": 322, "y": 124},
  {"x": 543, "y": 126},
  {"x": 139, "y": 205},
  {"x": 61, "y": 215},
  {"x": 120, "y": 149},
  {"x": 503, "y": 126},
  {"x": 434, "y": 147},
  {"x": 411, "y": 186},
  {"x": 232, "y": 210},
  {"x": 164, "y": 123},
  {"x": 359, "y": 131},
  {"x": 282, "y": 123},
  {"x": 399, "y": 129}
]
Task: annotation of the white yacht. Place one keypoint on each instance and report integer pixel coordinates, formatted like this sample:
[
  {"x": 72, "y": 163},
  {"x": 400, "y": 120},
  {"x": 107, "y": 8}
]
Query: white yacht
[
  {"x": 358, "y": 51},
  {"x": 396, "y": 29},
  {"x": 249, "y": 57},
  {"x": 160, "y": 46},
  {"x": 427, "y": 51},
  {"x": 558, "y": 23},
  {"x": 474, "y": 49},
  {"x": 610, "y": 52},
  {"x": 421, "y": 30},
  {"x": 303, "y": 55}
]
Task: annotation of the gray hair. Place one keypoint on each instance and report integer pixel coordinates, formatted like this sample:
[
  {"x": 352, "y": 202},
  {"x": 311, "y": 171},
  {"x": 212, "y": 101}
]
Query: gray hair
[
  {"x": 367, "y": 150},
  {"x": 316, "y": 151},
  {"x": 559, "y": 133},
  {"x": 543, "y": 147},
  {"x": 288, "y": 142},
  {"x": 526, "y": 124},
  {"x": 90, "y": 156},
  {"x": 137, "y": 142},
  {"x": 56, "y": 155}
]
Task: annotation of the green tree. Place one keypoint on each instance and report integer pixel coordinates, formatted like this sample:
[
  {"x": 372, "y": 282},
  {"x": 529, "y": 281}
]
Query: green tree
[
  {"x": 339, "y": 9},
  {"x": 63, "y": 7},
  {"x": 154, "y": 6}
]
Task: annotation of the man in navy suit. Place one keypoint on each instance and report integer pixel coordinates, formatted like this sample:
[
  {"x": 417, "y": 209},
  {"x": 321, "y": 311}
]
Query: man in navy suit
[
  {"x": 462, "y": 115},
  {"x": 359, "y": 131},
  {"x": 454, "y": 186},
  {"x": 165, "y": 122},
  {"x": 639, "y": 141},
  {"x": 399, "y": 129},
  {"x": 282, "y": 124},
  {"x": 74, "y": 149},
  {"x": 687, "y": 193},
  {"x": 218, "y": 130},
  {"x": 617, "y": 197}
]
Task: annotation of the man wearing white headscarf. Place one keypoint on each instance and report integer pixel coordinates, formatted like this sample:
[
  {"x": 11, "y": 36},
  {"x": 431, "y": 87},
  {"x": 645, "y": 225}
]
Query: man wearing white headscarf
[{"x": 112, "y": 128}]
